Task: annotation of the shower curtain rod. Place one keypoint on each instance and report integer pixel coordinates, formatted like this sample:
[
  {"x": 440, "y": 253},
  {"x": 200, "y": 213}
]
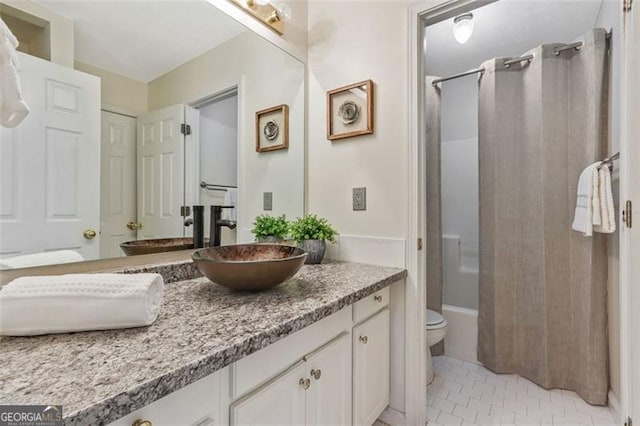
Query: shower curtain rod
[{"x": 577, "y": 45}]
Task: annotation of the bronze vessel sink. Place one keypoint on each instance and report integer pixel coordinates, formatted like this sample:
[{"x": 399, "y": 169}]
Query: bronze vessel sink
[
  {"x": 249, "y": 267},
  {"x": 157, "y": 245}
]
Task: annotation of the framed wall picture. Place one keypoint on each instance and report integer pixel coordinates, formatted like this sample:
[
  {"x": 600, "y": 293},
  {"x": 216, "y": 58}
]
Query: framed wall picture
[
  {"x": 350, "y": 111},
  {"x": 272, "y": 128}
]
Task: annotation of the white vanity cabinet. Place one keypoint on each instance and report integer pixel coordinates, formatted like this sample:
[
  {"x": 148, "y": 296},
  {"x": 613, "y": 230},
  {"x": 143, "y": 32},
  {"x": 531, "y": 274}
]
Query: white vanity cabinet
[
  {"x": 199, "y": 404},
  {"x": 371, "y": 368},
  {"x": 314, "y": 391}
]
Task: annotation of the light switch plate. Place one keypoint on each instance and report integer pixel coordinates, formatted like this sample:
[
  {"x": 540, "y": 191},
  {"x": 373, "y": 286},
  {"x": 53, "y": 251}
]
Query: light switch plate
[
  {"x": 267, "y": 201},
  {"x": 359, "y": 199}
]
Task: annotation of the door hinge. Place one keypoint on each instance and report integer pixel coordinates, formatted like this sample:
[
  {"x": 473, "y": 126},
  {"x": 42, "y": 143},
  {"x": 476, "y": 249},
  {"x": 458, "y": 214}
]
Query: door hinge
[
  {"x": 626, "y": 5},
  {"x": 627, "y": 214},
  {"x": 185, "y": 129},
  {"x": 185, "y": 211},
  {"x": 419, "y": 244}
]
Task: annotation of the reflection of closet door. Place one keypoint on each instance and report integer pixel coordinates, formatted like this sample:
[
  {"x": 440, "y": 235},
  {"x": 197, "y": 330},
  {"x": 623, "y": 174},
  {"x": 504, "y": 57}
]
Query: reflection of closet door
[
  {"x": 160, "y": 170},
  {"x": 118, "y": 182},
  {"x": 50, "y": 164}
]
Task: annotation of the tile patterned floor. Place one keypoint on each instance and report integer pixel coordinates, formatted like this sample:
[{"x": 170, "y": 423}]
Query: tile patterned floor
[{"x": 463, "y": 394}]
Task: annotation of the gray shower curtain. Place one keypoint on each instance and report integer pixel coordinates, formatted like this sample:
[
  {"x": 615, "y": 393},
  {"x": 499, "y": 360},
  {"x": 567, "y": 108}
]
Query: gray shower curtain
[
  {"x": 434, "y": 214},
  {"x": 543, "y": 299}
]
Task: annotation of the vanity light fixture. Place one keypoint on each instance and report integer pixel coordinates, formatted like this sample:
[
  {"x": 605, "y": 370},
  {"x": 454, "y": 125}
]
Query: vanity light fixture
[
  {"x": 271, "y": 13},
  {"x": 463, "y": 27}
]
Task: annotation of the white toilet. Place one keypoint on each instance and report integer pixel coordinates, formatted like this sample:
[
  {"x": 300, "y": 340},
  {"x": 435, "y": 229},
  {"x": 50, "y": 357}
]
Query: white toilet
[{"x": 436, "y": 330}]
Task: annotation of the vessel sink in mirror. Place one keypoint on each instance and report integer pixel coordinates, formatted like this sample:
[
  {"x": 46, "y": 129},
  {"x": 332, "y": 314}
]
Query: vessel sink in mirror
[
  {"x": 249, "y": 267},
  {"x": 156, "y": 245},
  {"x": 140, "y": 110}
]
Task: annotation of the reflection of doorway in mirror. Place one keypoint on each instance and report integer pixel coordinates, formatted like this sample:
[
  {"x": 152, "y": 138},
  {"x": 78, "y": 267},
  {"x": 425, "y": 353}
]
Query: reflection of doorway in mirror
[
  {"x": 117, "y": 182},
  {"x": 217, "y": 134}
]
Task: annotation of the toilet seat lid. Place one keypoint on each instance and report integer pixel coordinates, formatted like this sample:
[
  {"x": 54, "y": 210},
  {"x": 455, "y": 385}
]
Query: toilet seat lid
[{"x": 434, "y": 318}]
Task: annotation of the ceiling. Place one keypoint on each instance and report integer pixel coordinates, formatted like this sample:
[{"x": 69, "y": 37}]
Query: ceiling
[
  {"x": 143, "y": 39},
  {"x": 507, "y": 28}
]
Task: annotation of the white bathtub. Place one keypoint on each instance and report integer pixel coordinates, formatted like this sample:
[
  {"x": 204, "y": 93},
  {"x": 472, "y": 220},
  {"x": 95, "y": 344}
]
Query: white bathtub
[{"x": 461, "y": 341}]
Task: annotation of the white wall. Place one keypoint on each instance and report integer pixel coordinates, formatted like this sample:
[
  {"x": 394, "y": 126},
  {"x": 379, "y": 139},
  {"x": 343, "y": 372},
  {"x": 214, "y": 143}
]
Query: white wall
[
  {"x": 118, "y": 90},
  {"x": 609, "y": 18},
  {"x": 266, "y": 77},
  {"x": 350, "y": 41}
]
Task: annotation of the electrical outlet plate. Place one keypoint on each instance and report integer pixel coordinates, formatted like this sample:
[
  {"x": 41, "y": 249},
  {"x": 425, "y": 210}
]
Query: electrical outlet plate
[
  {"x": 359, "y": 199},
  {"x": 267, "y": 200}
]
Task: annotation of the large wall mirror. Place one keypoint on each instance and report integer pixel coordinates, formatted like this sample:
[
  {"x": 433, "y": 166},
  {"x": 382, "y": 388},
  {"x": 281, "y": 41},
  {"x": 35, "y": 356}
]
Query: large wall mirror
[{"x": 155, "y": 112}]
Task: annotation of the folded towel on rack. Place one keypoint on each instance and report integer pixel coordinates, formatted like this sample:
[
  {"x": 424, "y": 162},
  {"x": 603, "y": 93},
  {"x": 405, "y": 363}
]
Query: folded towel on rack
[
  {"x": 41, "y": 259},
  {"x": 587, "y": 187},
  {"x": 231, "y": 199},
  {"x": 80, "y": 302},
  {"x": 13, "y": 108},
  {"x": 608, "y": 223}
]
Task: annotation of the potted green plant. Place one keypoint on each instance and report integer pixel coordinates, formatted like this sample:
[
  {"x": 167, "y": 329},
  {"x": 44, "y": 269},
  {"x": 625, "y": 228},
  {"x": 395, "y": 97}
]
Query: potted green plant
[
  {"x": 270, "y": 228},
  {"x": 311, "y": 233}
]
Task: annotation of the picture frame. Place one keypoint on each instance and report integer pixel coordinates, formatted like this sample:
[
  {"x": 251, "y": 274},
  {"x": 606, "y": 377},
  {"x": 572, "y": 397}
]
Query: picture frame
[
  {"x": 272, "y": 128},
  {"x": 350, "y": 110}
]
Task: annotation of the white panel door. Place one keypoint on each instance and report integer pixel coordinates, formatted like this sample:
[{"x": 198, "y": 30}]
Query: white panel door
[
  {"x": 371, "y": 368},
  {"x": 630, "y": 235},
  {"x": 329, "y": 395},
  {"x": 280, "y": 401},
  {"x": 49, "y": 193},
  {"x": 118, "y": 182},
  {"x": 160, "y": 170}
]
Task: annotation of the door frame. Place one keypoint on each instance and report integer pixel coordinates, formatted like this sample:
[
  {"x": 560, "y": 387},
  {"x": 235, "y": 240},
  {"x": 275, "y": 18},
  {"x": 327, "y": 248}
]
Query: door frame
[
  {"x": 629, "y": 237},
  {"x": 192, "y": 142}
]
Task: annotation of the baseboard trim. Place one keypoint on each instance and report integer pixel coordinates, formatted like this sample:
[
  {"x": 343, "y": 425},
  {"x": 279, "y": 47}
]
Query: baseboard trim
[
  {"x": 393, "y": 417},
  {"x": 614, "y": 407},
  {"x": 380, "y": 251}
]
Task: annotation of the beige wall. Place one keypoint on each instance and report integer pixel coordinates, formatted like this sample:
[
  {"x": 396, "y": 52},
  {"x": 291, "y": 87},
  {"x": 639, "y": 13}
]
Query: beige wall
[
  {"x": 351, "y": 41},
  {"x": 266, "y": 77},
  {"x": 61, "y": 30},
  {"x": 118, "y": 90}
]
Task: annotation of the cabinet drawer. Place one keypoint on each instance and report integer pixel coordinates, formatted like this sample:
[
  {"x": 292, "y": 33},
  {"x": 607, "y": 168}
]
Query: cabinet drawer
[
  {"x": 197, "y": 404},
  {"x": 368, "y": 306}
]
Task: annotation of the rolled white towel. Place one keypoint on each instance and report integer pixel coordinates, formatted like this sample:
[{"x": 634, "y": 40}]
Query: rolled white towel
[
  {"x": 80, "y": 302},
  {"x": 41, "y": 259}
]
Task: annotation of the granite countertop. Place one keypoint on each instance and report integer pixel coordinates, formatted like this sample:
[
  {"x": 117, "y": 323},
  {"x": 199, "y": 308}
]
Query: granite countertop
[{"x": 101, "y": 376}]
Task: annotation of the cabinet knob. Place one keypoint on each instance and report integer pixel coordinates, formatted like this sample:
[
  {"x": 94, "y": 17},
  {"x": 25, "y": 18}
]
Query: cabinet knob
[
  {"x": 141, "y": 422},
  {"x": 364, "y": 339},
  {"x": 133, "y": 225},
  {"x": 305, "y": 383},
  {"x": 377, "y": 298},
  {"x": 316, "y": 373}
]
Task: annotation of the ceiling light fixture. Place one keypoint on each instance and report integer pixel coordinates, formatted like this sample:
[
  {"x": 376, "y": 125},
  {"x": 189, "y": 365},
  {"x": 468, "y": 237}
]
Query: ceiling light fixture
[{"x": 463, "y": 27}]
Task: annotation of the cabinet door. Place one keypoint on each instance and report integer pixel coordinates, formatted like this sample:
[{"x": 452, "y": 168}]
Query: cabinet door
[
  {"x": 329, "y": 395},
  {"x": 281, "y": 401},
  {"x": 371, "y": 368}
]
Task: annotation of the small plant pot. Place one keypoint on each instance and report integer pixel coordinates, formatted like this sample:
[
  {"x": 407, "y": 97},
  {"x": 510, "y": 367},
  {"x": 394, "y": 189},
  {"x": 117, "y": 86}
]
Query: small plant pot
[
  {"x": 315, "y": 249},
  {"x": 268, "y": 239}
]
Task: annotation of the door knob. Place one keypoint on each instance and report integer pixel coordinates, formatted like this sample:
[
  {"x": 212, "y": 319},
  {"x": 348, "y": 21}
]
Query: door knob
[
  {"x": 133, "y": 225},
  {"x": 89, "y": 234}
]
